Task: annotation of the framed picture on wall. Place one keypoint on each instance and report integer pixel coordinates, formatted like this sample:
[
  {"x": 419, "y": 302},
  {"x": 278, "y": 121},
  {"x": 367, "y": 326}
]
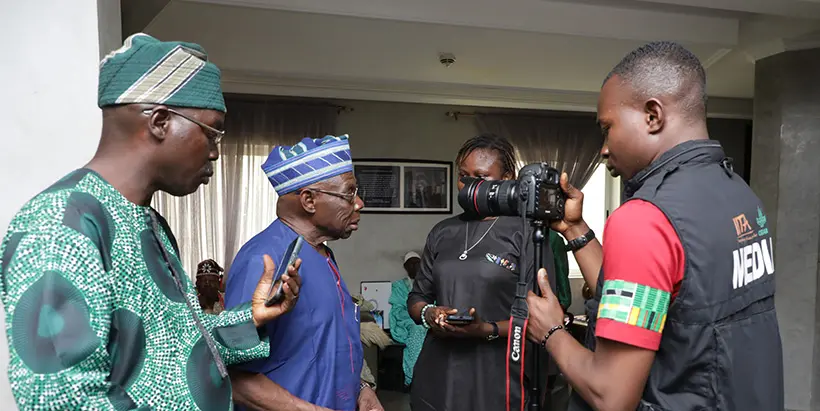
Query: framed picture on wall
[{"x": 405, "y": 186}]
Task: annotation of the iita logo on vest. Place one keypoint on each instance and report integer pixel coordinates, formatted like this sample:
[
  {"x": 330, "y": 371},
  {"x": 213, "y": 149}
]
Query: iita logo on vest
[
  {"x": 752, "y": 260},
  {"x": 744, "y": 230}
]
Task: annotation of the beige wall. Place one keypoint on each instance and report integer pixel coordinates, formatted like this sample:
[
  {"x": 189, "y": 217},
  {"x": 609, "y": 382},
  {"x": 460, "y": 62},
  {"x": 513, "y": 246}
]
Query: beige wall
[
  {"x": 50, "y": 103},
  {"x": 395, "y": 130},
  {"x": 422, "y": 131}
]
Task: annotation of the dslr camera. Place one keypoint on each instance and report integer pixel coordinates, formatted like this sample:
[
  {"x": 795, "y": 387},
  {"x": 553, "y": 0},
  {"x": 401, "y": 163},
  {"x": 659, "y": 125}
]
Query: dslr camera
[{"x": 536, "y": 195}]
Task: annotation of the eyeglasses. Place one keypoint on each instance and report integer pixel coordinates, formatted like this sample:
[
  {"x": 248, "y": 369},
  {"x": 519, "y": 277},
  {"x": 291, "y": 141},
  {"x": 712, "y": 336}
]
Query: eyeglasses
[
  {"x": 349, "y": 197},
  {"x": 210, "y": 132}
]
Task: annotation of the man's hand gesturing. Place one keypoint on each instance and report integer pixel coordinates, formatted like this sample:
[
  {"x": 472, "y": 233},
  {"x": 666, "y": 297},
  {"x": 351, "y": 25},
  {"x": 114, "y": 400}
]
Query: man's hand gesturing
[{"x": 263, "y": 314}]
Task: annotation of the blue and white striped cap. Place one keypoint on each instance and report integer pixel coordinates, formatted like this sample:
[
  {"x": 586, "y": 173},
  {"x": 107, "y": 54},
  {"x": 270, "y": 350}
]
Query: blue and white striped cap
[{"x": 310, "y": 161}]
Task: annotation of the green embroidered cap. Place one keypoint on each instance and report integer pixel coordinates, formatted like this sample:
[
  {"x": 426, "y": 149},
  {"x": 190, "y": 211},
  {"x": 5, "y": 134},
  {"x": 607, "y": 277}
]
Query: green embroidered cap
[{"x": 146, "y": 70}]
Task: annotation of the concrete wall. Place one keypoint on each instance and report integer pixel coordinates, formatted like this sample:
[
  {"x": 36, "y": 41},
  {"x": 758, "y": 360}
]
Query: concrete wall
[
  {"x": 786, "y": 176},
  {"x": 52, "y": 123}
]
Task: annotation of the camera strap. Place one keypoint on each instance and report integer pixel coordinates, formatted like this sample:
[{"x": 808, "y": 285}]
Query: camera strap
[{"x": 516, "y": 343}]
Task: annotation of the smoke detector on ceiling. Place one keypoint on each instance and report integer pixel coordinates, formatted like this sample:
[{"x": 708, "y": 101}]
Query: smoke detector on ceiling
[{"x": 446, "y": 59}]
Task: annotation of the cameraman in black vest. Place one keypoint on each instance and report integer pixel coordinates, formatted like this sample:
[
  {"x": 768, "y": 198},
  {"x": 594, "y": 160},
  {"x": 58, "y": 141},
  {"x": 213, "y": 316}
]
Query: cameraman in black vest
[{"x": 685, "y": 282}]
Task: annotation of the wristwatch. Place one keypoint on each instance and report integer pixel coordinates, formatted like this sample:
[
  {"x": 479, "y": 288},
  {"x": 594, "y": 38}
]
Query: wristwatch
[
  {"x": 363, "y": 385},
  {"x": 579, "y": 243},
  {"x": 494, "y": 334}
]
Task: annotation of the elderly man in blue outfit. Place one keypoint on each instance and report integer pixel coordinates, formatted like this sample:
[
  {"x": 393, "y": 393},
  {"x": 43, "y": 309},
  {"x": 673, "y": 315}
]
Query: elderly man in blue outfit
[{"x": 315, "y": 358}]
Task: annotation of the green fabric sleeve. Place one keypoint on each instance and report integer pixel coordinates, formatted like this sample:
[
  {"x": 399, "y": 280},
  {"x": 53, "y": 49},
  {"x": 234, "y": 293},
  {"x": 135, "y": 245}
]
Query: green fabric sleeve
[
  {"x": 59, "y": 303},
  {"x": 559, "y": 253},
  {"x": 400, "y": 321},
  {"x": 237, "y": 339}
]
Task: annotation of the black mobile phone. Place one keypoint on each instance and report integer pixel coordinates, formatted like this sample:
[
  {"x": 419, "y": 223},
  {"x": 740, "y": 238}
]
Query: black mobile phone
[
  {"x": 455, "y": 319},
  {"x": 290, "y": 256}
]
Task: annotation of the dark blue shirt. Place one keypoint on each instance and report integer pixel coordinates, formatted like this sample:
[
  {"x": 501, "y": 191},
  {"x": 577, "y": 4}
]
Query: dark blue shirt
[{"x": 315, "y": 350}]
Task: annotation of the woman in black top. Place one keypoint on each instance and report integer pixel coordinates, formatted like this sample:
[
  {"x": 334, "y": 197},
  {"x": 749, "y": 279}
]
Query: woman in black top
[{"x": 470, "y": 266}]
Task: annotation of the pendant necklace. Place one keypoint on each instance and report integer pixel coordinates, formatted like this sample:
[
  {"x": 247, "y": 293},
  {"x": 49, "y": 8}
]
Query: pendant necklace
[{"x": 463, "y": 255}]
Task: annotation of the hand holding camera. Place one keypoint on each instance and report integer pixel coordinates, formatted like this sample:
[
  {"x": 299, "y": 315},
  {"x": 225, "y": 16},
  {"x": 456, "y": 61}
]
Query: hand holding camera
[
  {"x": 536, "y": 195},
  {"x": 572, "y": 224}
]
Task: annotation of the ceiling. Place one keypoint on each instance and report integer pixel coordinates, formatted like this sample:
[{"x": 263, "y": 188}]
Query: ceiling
[{"x": 512, "y": 53}]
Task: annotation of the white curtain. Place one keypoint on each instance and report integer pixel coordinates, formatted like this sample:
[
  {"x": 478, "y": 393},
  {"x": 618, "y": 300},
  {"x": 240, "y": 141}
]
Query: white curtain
[
  {"x": 239, "y": 202},
  {"x": 199, "y": 237}
]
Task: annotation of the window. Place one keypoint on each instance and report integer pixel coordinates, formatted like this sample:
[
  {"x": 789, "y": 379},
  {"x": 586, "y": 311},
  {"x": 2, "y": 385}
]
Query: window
[
  {"x": 216, "y": 220},
  {"x": 602, "y": 194}
]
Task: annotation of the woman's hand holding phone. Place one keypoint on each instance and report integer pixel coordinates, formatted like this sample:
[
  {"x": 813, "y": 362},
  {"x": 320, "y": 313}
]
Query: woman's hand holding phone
[{"x": 437, "y": 319}]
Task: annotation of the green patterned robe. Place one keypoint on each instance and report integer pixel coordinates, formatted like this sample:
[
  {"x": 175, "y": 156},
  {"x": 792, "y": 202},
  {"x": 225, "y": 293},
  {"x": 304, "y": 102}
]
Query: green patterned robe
[
  {"x": 94, "y": 319},
  {"x": 403, "y": 329}
]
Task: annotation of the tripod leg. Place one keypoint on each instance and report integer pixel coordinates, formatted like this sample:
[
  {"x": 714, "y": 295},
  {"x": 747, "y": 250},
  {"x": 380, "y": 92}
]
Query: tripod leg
[{"x": 535, "y": 349}]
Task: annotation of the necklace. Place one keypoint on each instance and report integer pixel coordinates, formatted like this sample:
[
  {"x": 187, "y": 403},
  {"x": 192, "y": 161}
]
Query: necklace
[{"x": 463, "y": 255}]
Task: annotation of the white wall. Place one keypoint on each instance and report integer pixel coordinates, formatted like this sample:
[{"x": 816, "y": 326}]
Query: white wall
[{"x": 52, "y": 123}]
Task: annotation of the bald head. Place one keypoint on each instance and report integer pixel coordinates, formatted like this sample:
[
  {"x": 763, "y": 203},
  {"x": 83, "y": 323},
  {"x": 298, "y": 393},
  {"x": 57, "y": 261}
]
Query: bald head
[{"x": 667, "y": 71}]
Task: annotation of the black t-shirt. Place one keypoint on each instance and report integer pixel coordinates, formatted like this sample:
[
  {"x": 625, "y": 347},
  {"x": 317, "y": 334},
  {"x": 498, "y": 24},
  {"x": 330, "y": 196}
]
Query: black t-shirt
[{"x": 470, "y": 373}]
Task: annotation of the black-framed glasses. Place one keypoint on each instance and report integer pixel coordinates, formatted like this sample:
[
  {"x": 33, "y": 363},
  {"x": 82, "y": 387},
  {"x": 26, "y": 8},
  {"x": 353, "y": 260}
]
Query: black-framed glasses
[
  {"x": 212, "y": 133},
  {"x": 349, "y": 197}
]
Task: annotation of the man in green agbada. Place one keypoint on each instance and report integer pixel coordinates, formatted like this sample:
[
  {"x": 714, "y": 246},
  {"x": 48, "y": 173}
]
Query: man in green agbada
[{"x": 100, "y": 314}]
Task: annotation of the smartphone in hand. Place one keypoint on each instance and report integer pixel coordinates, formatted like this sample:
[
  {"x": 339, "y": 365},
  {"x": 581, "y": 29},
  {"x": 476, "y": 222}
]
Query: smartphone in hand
[
  {"x": 276, "y": 293},
  {"x": 456, "y": 319}
]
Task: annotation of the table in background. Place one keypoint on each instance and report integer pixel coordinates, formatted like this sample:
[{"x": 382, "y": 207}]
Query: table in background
[{"x": 390, "y": 370}]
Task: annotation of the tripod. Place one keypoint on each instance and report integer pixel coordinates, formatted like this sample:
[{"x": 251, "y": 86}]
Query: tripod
[
  {"x": 535, "y": 349},
  {"x": 520, "y": 352},
  {"x": 523, "y": 355}
]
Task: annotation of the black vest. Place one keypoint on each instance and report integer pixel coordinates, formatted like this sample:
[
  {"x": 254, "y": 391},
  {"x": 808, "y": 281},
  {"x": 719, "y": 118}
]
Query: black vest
[{"x": 720, "y": 348}]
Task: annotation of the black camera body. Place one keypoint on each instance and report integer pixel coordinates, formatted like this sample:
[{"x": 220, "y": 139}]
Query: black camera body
[{"x": 536, "y": 195}]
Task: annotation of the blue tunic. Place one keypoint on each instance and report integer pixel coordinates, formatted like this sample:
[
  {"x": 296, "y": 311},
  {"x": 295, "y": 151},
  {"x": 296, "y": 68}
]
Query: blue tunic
[{"x": 315, "y": 350}]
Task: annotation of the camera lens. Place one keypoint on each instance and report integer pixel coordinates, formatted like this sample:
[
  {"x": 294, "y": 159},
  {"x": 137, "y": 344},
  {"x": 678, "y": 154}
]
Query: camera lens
[{"x": 489, "y": 198}]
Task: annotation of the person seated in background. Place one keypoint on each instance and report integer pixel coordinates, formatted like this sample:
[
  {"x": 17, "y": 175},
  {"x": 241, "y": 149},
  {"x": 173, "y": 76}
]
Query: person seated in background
[
  {"x": 372, "y": 335},
  {"x": 208, "y": 286},
  {"x": 315, "y": 352},
  {"x": 402, "y": 328}
]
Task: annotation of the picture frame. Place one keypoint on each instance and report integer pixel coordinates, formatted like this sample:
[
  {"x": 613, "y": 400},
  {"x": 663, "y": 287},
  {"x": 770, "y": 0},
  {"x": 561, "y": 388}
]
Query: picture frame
[{"x": 393, "y": 186}]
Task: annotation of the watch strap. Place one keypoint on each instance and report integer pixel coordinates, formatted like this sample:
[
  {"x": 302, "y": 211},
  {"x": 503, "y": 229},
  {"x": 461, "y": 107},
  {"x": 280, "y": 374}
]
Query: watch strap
[
  {"x": 494, "y": 334},
  {"x": 364, "y": 384},
  {"x": 578, "y": 243}
]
